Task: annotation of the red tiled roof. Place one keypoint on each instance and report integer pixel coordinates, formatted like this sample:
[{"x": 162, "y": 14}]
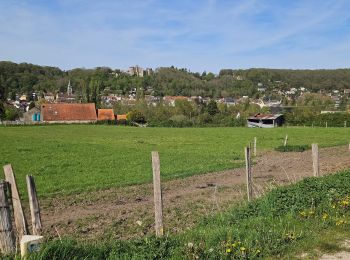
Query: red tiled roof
[
  {"x": 68, "y": 112},
  {"x": 175, "y": 98},
  {"x": 105, "y": 114},
  {"x": 121, "y": 117}
]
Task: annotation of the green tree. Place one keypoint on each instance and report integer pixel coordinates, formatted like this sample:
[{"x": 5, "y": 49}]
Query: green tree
[{"x": 212, "y": 108}]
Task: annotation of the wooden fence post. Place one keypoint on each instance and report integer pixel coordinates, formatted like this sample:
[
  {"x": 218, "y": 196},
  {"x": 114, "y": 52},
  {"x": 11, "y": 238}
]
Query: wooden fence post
[
  {"x": 315, "y": 160},
  {"x": 248, "y": 169},
  {"x": 158, "y": 211},
  {"x": 326, "y": 124},
  {"x": 34, "y": 206},
  {"x": 345, "y": 124},
  {"x": 285, "y": 141},
  {"x": 7, "y": 238},
  {"x": 20, "y": 221},
  {"x": 255, "y": 146}
]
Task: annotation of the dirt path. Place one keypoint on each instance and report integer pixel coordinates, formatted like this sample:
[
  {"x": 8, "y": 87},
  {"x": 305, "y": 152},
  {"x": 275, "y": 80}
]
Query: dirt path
[{"x": 128, "y": 212}]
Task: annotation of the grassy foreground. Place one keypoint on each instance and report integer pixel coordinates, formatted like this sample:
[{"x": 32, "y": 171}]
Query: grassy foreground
[
  {"x": 74, "y": 158},
  {"x": 306, "y": 217}
]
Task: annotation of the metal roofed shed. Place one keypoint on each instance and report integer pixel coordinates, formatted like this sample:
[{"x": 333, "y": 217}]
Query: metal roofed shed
[{"x": 265, "y": 120}]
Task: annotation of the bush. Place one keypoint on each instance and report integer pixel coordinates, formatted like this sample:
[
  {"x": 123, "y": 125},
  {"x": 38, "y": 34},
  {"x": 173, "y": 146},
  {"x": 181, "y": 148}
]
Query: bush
[
  {"x": 136, "y": 116},
  {"x": 180, "y": 121},
  {"x": 292, "y": 148}
]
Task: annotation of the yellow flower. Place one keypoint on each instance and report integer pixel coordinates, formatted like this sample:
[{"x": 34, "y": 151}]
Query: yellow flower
[
  {"x": 302, "y": 213},
  {"x": 242, "y": 248},
  {"x": 344, "y": 203},
  {"x": 234, "y": 244},
  {"x": 333, "y": 206},
  {"x": 324, "y": 216},
  {"x": 228, "y": 250},
  {"x": 340, "y": 222}
]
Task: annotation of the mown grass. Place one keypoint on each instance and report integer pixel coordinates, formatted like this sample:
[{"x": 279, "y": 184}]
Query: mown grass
[
  {"x": 74, "y": 158},
  {"x": 307, "y": 217}
]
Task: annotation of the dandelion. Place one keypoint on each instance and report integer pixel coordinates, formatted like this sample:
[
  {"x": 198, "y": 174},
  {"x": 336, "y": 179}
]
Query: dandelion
[
  {"x": 333, "y": 206},
  {"x": 324, "y": 216},
  {"x": 302, "y": 213},
  {"x": 228, "y": 250},
  {"x": 344, "y": 203},
  {"x": 234, "y": 245},
  {"x": 340, "y": 222}
]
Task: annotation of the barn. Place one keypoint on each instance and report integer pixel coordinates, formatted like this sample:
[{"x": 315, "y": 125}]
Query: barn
[
  {"x": 68, "y": 113},
  {"x": 265, "y": 120},
  {"x": 105, "y": 115}
]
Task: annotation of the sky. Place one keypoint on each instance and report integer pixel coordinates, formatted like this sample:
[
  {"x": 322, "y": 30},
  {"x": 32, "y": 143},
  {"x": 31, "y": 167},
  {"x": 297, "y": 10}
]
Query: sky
[{"x": 200, "y": 35}]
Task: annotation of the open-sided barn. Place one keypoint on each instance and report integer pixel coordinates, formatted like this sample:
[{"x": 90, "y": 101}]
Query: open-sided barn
[{"x": 265, "y": 120}]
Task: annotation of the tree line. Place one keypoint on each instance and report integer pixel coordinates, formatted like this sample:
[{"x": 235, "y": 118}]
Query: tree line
[{"x": 27, "y": 78}]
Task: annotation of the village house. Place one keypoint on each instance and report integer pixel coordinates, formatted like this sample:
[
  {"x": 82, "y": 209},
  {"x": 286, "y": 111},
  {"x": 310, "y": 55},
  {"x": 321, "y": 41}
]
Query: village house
[
  {"x": 258, "y": 102},
  {"x": 265, "y": 120},
  {"x": 32, "y": 116},
  {"x": 68, "y": 113},
  {"x": 49, "y": 97},
  {"x": 261, "y": 87},
  {"x": 151, "y": 100},
  {"x": 229, "y": 101},
  {"x": 170, "y": 100}
]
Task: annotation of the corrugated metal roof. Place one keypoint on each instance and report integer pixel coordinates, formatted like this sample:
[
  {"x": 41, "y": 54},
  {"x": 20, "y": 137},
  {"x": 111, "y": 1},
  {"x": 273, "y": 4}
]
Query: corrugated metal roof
[
  {"x": 105, "y": 114},
  {"x": 266, "y": 116},
  {"x": 68, "y": 112}
]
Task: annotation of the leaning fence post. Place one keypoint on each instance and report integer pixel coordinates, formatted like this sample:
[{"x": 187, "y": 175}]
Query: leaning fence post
[
  {"x": 34, "y": 206},
  {"x": 285, "y": 141},
  {"x": 20, "y": 221},
  {"x": 7, "y": 238},
  {"x": 254, "y": 146},
  {"x": 158, "y": 211},
  {"x": 248, "y": 169},
  {"x": 315, "y": 160}
]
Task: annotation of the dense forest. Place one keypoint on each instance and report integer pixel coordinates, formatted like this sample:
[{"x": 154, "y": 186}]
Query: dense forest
[{"x": 27, "y": 78}]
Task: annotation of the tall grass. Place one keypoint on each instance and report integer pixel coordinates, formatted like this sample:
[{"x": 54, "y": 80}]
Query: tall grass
[{"x": 287, "y": 220}]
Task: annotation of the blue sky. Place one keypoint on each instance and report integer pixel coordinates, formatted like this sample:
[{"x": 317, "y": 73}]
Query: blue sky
[{"x": 198, "y": 35}]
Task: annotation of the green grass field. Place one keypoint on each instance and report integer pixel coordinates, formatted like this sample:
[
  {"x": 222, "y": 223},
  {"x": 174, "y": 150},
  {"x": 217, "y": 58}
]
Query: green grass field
[{"x": 74, "y": 158}]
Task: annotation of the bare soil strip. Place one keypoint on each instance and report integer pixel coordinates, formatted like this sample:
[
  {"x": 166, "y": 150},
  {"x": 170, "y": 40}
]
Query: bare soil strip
[{"x": 128, "y": 212}]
